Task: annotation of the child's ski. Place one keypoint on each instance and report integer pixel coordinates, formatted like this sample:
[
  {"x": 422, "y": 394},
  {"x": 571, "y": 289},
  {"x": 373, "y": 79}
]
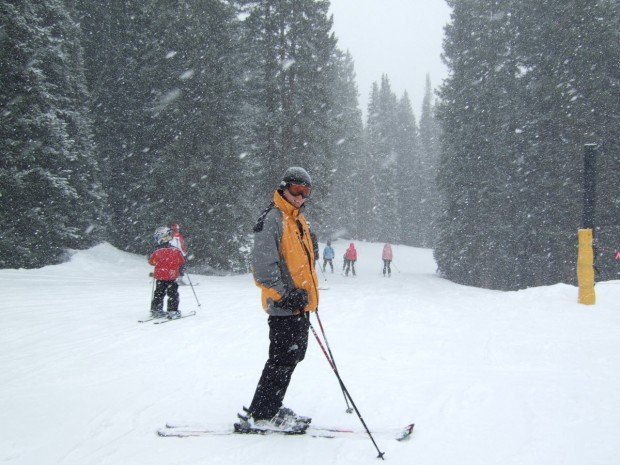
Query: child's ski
[
  {"x": 151, "y": 319},
  {"x": 166, "y": 320}
]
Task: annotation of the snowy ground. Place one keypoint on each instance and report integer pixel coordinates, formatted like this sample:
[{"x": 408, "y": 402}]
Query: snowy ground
[{"x": 489, "y": 377}]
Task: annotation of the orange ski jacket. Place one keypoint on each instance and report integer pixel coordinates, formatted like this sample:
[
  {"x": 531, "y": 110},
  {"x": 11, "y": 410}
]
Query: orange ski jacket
[{"x": 283, "y": 256}]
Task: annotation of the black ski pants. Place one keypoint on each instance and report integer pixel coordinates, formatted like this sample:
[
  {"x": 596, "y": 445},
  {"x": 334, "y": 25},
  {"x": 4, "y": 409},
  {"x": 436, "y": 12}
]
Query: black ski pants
[
  {"x": 387, "y": 267},
  {"x": 288, "y": 341},
  {"x": 349, "y": 264},
  {"x": 325, "y": 262},
  {"x": 161, "y": 289}
]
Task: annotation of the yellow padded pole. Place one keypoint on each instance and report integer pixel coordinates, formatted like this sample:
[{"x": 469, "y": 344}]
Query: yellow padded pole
[{"x": 585, "y": 268}]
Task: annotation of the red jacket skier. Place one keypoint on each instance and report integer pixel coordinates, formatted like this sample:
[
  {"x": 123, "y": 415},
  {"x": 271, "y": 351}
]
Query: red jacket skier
[
  {"x": 167, "y": 261},
  {"x": 350, "y": 257},
  {"x": 351, "y": 253}
]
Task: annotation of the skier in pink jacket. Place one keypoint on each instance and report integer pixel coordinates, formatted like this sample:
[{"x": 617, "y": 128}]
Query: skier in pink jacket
[{"x": 387, "y": 259}]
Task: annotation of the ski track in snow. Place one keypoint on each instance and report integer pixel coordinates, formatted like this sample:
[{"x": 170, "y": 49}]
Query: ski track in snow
[{"x": 489, "y": 377}]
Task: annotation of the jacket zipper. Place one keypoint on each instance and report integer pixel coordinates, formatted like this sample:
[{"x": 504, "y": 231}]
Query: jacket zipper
[{"x": 303, "y": 244}]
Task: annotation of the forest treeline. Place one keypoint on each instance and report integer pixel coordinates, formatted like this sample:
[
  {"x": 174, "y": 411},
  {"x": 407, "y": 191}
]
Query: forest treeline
[{"x": 121, "y": 116}]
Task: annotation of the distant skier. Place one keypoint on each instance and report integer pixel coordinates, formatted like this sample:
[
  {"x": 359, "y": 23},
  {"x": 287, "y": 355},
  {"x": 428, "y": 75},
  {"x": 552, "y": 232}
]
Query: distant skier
[
  {"x": 167, "y": 261},
  {"x": 179, "y": 242},
  {"x": 177, "y": 239},
  {"x": 387, "y": 259},
  {"x": 350, "y": 257},
  {"x": 328, "y": 256}
]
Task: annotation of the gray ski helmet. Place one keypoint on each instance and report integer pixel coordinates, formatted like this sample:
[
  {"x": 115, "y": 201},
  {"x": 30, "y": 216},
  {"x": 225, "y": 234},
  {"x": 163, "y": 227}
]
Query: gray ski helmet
[
  {"x": 162, "y": 235},
  {"x": 296, "y": 175}
]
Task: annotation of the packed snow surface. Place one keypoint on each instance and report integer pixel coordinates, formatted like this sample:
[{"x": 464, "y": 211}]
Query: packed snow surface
[{"x": 488, "y": 377}]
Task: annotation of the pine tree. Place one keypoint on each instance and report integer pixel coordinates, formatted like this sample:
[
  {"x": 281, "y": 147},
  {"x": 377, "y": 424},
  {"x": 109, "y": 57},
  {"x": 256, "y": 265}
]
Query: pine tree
[
  {"x": 409, "y": 179},
  {"x": 342, "y": 215},
  {"x": 199, "y": 174},
  {"x": 479, "y": 165},
  {"x": 531, "y": 82},
  {"x": 118, "y": 47},
  {"x": 167, "y": 81},
  {"x": 51, "y": 197},
  {"x": 429, "y": 205},
  {"x": 382, "y": 136},
  {"x": 293, "y": 67},
  {"x": 571, "y": 75}
]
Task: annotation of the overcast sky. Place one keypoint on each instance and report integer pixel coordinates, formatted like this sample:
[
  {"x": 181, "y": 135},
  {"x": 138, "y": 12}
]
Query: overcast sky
[{"x": 401, "y": 38}]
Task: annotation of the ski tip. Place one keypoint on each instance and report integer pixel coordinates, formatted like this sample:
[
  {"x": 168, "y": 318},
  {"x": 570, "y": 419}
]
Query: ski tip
[{"x": 406, "y": 432}]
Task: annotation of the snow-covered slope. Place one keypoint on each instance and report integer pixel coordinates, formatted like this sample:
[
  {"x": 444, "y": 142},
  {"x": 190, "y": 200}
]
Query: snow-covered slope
[{"x": 489, "y": 377}]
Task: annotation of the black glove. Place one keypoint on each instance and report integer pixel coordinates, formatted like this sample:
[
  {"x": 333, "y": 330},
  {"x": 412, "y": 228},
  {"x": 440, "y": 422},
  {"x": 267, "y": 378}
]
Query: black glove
[{"x": 293, "y": 300}]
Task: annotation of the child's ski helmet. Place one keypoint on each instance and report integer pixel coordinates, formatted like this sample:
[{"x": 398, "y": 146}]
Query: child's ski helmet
[{"x": 162, "y": 235}]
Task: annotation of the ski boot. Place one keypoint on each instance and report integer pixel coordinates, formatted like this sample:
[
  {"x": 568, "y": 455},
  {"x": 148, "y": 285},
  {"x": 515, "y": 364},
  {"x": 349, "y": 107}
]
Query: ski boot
[
  {"x": 158, "y": 313},
  {"x": 289, "y": 414},
  {"x": 174, "y": 315},
  {"x": 276, "y": 424}
]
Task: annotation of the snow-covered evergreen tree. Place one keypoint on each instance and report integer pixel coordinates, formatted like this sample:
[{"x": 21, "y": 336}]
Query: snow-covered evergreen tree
[
  {"x": 571, "y": 59},
  {"x": 383, "y": 220},
  {"x": 118, "y": 63},
  {"x": 409, "y": 178},
  {"x": 168, "y": 80},
  {"x": 291, "y": 69},
  {"x": 199, "y": 169},
  {"x": 342, "y": 215},
  {"x": 480, "y": 171},
  {"x": 529, "y": 85},
  {"x": 51, "y": 198},
  {"x": 429, "y": 153}
]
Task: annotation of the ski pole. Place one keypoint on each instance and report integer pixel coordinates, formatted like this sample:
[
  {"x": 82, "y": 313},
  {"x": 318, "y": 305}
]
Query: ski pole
[
  {"x": 323, "y": 273},
  {"x": 152, "y": 293},
  {"x": 394, "y": 265},
  {"x": 346, "y": 392},
  {"x": 331, "y": 358},
  {"x": 192, "y": 286}
]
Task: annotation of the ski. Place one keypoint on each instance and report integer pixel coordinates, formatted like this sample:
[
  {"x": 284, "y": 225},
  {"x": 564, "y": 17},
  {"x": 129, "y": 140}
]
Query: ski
[
  {"x": 168, "y": 433},
  {"x": 166, "y": 320},
  {"x": 188, "y": 430},
  {"x": 151, "y": 319}
]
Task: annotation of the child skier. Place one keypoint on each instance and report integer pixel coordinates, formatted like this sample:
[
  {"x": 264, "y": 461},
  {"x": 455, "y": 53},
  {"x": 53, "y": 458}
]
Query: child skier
[
  {"x": 328, "y": 256},
  {"x": 167, "y": 261}
]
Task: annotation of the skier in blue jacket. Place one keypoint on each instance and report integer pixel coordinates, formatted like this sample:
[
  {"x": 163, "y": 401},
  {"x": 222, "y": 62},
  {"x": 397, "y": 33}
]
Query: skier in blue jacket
[{"x": 328, "y": 256}]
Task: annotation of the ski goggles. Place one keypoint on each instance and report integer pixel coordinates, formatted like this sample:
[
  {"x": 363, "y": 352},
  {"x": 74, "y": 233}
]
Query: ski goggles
[{"x": 299, "y": 189}]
